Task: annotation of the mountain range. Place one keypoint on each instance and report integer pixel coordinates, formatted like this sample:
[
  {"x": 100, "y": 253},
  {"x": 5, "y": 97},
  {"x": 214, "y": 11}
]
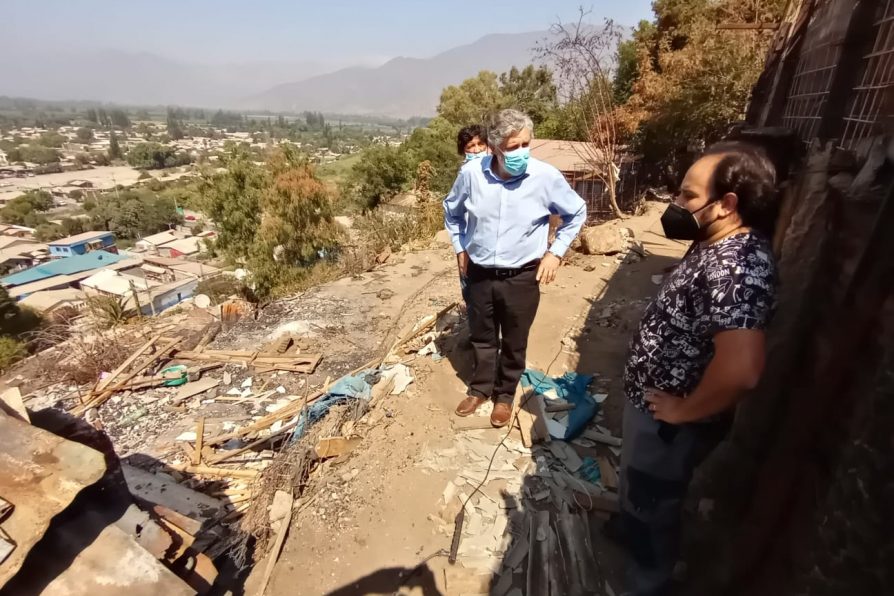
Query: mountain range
[{"x": 402, "y": 87}]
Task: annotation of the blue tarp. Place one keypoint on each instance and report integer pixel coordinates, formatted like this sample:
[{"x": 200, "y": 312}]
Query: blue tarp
[
  {"x": 345, "y": 389},
  {"x": 571, "y": 387}
]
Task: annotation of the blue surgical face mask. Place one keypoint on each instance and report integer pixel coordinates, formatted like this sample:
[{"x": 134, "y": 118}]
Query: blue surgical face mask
[
  {"x": 471, "y": 156},
  {"x": 516, "y": 162}
]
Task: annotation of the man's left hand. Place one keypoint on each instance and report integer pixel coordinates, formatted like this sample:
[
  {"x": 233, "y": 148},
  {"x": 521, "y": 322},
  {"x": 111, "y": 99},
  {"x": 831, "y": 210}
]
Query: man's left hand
[
  {"x": 549, "y": 265},
  {"x": 665, "y": 407}
]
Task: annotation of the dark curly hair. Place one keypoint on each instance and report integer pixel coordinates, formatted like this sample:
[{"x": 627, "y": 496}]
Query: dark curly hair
[
  {"x": 467, "y": 134},
  {"x": 746, "y": 171}
]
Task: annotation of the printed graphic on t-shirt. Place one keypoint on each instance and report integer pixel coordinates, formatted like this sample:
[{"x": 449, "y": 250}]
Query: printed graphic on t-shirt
[{"x": 728, "y": 285}]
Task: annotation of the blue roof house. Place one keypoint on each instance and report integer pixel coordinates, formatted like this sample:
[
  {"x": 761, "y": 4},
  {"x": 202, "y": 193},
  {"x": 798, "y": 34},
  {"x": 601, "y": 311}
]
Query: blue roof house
[
  {"x": 67, "y": 266},
  {"x": 82, "y": 244}
]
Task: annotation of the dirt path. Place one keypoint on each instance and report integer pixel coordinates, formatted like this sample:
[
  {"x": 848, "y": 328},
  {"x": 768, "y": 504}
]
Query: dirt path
[{"x": 373, "y": 519}]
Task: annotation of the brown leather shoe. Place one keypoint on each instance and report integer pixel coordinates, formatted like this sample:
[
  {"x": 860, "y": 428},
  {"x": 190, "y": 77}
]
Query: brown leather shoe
[
  {"x": 501, "y": 414},
  {"x": 469, "y": 405}
]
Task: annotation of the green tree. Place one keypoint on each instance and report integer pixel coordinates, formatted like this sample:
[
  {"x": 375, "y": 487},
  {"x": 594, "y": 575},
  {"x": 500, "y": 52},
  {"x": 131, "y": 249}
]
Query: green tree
[
  {"x": 153, "y": 155},
  {"x": 530, "y": 90},
  {"x": 114, "y": 148},
  {"x": 627, "y": 71},
  {"x": 144, "y": 130},
  {"x": 297, "y": 226},
  {"x": 133, "y": 213},
  {"x": 174, "y": 125},
  {"x": 119, "y": 118},
  {"x": 47, "y": 232},
  {"x": 84, "y": 135},
  {"x": 72, "y": 226},
  {"x": 26, "y": 209},
  {"x": 381, "y": 172},
  {"x": 52, "y": 139},
  {"x": 92, "y": 116},
  {"x": 692, "y": 78},
  {"x": 435, "y": 144},
  {"x": 34, "y": 154},
  {"x": 472, "y": 100},
  {"x": 232, "y": 199}
]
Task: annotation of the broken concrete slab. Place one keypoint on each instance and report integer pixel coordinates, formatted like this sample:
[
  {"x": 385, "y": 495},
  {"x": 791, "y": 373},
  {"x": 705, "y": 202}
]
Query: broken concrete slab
[
  {"x": 193, "y": 389},
  {"x": 40, "y": 474},
  {"x": 162, "y": 490},
  {"x": 115, "y": 564}
]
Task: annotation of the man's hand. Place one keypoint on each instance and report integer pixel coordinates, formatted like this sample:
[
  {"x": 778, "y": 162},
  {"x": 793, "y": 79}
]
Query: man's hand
[
  {"x": 462, "y": 261},
  {"x": 666, "y": 407},
  {"x": 549, "y": 265}
]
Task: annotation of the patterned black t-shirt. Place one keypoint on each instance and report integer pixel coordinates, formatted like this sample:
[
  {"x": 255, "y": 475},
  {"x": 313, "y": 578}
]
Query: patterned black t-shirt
[{"x": 727, "y": 285}]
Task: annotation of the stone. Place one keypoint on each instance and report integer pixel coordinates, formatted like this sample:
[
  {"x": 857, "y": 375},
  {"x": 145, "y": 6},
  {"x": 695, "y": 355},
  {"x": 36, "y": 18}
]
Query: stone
[
  {"x": 602, "y": 240},
  {"x": 442, "y": 238}
]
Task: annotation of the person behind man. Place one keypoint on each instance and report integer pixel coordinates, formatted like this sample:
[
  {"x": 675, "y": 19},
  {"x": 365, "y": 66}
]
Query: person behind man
[
  {"x": 497, "y": 215},
  {"x": 471, "y": 144},
  {"x": 699, "y": 348}
]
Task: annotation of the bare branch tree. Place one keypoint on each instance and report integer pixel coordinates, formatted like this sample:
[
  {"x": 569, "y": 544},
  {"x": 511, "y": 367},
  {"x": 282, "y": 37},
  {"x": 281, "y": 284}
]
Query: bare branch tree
[{"x": 584, "y": 58}]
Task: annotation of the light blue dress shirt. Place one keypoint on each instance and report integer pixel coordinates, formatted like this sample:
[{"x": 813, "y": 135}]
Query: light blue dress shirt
[{"x": 505, "y": 223}]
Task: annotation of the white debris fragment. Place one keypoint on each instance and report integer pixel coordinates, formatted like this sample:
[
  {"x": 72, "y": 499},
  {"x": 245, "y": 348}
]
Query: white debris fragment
[{"x": 402, "y": 376}]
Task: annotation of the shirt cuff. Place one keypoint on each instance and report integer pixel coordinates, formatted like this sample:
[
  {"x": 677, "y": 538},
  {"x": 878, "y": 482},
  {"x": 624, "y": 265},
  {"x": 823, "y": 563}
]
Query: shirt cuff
[
  {"x": 559, "y": 248},
  {"x": 457, "y": 244}
]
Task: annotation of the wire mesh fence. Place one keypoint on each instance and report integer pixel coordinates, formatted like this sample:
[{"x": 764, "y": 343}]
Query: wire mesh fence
[
  {"x": 829, "y": 37},
  {"x": 867, "y": 103}
]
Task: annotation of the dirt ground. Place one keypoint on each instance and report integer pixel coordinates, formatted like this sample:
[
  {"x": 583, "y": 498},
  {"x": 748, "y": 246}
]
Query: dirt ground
[{"x": 369, "y": 525}]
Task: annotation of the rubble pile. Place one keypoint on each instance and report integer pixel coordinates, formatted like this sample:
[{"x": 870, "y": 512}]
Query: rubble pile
[
  {"x": 519, "y": 498},
  {"x": 210, "y": 438}
]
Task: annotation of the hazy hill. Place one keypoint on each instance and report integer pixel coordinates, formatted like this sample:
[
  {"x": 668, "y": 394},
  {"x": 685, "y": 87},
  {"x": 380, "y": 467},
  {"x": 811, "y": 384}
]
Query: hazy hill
[
  {"x": 142, "y": 78},
  {"x": 401, "y": 87}
]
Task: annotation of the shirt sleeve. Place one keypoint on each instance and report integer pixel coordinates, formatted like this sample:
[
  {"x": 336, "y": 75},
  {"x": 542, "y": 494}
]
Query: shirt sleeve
[
  {"x": 567, "y": 204},
  {"x": 741, "y": 293},
  {"x": 455, "y": 211}
]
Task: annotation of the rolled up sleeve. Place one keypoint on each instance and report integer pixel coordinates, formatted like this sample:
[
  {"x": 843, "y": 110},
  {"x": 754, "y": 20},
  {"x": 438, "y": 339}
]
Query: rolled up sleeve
[
  {"x": 455, "y": 211},
  {"x": 568, "y": 205}
]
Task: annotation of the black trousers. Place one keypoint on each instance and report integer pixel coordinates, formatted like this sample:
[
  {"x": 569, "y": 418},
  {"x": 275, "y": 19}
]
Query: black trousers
[{"x": 500, "y": 304}]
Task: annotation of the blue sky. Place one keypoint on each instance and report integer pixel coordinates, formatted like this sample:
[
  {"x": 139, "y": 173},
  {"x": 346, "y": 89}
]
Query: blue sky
[{"x": 336, "y": 31}]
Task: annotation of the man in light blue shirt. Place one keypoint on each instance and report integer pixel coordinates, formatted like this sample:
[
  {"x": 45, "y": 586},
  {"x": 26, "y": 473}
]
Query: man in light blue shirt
[{"x": 497, "y": 215}]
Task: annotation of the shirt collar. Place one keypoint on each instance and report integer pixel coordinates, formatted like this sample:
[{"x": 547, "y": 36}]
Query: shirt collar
[{"x": 486, "y": 164}]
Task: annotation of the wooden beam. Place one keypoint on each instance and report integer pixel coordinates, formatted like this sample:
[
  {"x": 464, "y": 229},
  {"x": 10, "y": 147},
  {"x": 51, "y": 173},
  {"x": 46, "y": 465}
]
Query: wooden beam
[
  {"x": 200, "y": 432},
  {"x": 124, "y": 365}
]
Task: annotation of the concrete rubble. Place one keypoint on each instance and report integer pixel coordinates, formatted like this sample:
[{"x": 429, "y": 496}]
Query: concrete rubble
[
  {"x": 192, "y": 428},
  {"x": 517, "y": 501}
]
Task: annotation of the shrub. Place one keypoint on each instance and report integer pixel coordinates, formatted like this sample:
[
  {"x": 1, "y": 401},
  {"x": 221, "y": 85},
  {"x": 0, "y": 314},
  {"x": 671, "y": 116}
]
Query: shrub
[
  {"x": 107, "y": 311},
  {"x": 220, "y": 288},
  {"x": 11, "y": 351}
]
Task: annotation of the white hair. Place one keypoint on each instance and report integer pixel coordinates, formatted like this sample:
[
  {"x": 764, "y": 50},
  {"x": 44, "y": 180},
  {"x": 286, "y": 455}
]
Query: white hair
[{"x": 506, "y": 123}]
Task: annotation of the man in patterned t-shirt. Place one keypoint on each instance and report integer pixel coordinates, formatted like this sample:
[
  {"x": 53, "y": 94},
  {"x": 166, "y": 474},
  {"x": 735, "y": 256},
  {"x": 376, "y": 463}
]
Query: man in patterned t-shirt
[{"x": 698, "y": 349}]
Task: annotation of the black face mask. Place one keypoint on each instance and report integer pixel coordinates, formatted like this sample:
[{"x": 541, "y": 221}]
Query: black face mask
[{"x": 679, "y": 223}]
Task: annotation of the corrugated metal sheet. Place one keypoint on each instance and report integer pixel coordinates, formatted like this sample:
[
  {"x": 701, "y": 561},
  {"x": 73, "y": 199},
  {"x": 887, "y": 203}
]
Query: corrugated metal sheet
[{"x": 66, "y": 266}]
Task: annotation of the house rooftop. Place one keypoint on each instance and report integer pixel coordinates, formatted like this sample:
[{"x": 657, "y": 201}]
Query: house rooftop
[
  {"x": 186, "y": 246},
  {"x": 66, "y": 266},
  {"x": 566, "y": 156},
  {"x": 49, "y": 299},
  {"x": 114, "y": 282},
  {"x": 160, "y": 238},
  {"x": 79, "y": 238}
]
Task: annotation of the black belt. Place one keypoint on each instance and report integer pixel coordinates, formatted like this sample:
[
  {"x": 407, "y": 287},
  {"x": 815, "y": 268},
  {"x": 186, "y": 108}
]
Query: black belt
[{"x": 503, "y": 273}]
